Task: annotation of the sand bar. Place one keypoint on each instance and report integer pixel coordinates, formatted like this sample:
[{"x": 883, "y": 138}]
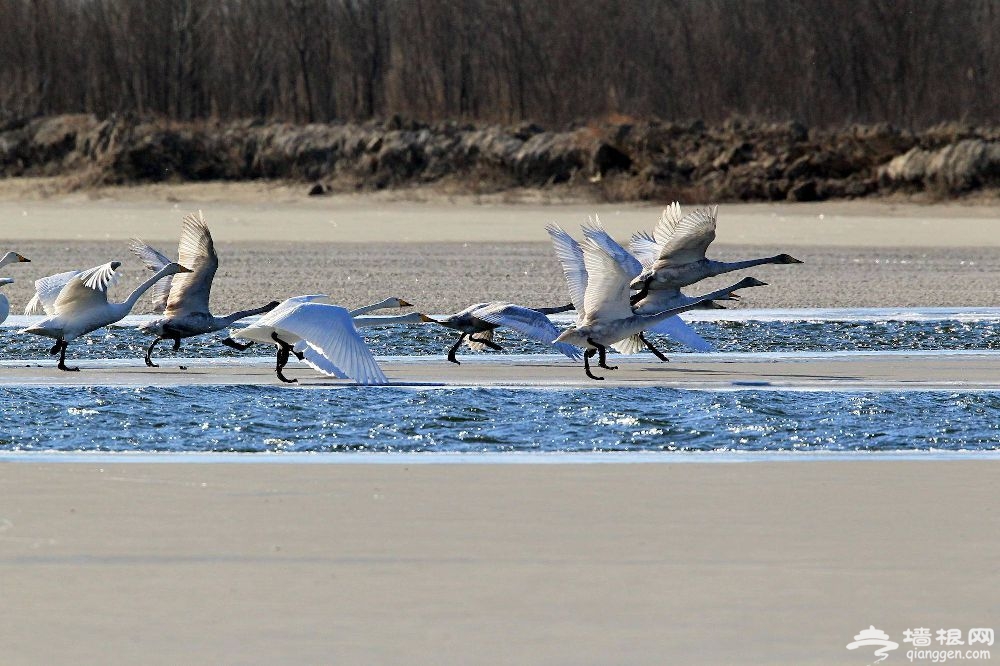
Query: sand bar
[
  {"x": 844, "y": 372},
  {"x": 595, "y": 564}
]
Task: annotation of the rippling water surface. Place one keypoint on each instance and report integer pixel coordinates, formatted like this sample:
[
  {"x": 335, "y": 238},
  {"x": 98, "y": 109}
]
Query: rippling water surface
[
  {"x": 727, "y": 336},
  {"x": 264, "y": 418}
]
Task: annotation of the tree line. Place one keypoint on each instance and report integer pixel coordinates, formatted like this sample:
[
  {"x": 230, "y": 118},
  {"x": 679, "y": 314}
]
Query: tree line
[{"x": 823, "y": 62}]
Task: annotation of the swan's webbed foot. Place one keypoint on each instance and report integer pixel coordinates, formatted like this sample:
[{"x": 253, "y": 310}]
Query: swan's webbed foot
[
  {"x": 62, "y": 358},
  {"x": 286, "y": 379},
  {"x": 149, "y": 354},
  {"x": 239, "y": 346},
  {"x": 454, "y": 348},
  {"x": 602, "y": 359},
  {"x": 55, "y": 348},
  {"x": 586, "y": 364},
  {"x": 653, "y": 349}
]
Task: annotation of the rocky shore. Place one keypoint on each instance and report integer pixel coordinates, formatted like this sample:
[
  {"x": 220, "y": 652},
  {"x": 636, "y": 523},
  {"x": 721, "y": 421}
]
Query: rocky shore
[{"x": 739, "y": 160}]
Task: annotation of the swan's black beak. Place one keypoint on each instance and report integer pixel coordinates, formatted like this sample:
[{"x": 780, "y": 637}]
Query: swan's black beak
[
  {"x": 789, "y": 259},
  {"x": 404, "y": 304},
  {"x": 185, "y": 269},
  {"x": 425, "y": 318},
  {"x": 23, "y": 258}
]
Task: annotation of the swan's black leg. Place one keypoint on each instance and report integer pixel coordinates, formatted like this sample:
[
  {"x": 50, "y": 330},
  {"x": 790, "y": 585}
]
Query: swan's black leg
[
  {"x": 229, "y": 342},
  {"x": 282, "y": 361},
  {"x": 489, "y": 343},
  {"x": 639, "y": 295},
  {"x": 62, "y": 358},
  {"x": 602, "y": 359},
  {"x": 55, "y": 348},
  {"x": 653, "y": 349},
  {"x": 454, "y": 348},
  {"x": 149, "y": 354},
  {"x": 586, "y": 363},
  {"x": 177, "y": 344}
]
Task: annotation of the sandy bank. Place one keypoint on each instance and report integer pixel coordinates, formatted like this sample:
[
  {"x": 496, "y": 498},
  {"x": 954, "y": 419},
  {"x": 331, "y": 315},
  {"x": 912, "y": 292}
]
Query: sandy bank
[
  {"x": 442, "y": 256},
  {"x": 626, "y": 564},
  {"x": 691, "y": 371}
]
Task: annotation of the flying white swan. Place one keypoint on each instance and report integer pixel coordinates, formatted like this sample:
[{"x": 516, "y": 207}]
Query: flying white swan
[
  {"x": 605, "y": 313},
  {"x": 325, "y": 336},
  {"x": 9, "y": 258},
  {"x": 477, "y": 323},
  {"x": 570, "y": 256},
  {"x": 673, "y": 256},
  {"x": 183, "y": 300},
  {"x": 77, "y": 303}
]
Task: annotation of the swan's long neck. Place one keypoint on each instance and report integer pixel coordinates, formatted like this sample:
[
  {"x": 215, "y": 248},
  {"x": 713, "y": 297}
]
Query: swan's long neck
[
  {"x": 372, "y": 308},
  {"x": 720, "y": 267},
  {"x": 412, "y": 318},
  {"x": 133, "y": 298},
  {"x": 236, "y": 316},
  {"x": 723, "y": 294},
  {"x": 561, "y": 308},
  {"x": 642, "y": 322}
]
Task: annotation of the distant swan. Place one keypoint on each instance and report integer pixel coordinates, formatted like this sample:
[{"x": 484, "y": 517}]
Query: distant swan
[
  {"x": 673, "y": 256},
  {"x": 325, "y": 336},
  {"x": 9, "y": 258},
  {"x": 184, "y": 300},
  {"x": 77, "y": 303}
]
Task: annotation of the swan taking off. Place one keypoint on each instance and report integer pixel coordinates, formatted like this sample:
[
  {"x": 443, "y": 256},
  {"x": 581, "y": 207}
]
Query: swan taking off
[
  {"x": 570, "y": 256},
  {"x": 605, "y": 312},
  {"x": 183, "y": 300},
  {"x": 673, "y": 256},
  {"x": 323, "y": 335},
  {"x": 477, "y": 323},
  {"x": 77, "y": 303},
  {"x": 9, "y": 258}
]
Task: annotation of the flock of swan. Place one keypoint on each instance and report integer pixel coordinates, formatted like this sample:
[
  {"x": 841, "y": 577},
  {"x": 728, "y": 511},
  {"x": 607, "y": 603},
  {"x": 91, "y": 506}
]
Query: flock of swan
[{"x": 618, "y": 294}]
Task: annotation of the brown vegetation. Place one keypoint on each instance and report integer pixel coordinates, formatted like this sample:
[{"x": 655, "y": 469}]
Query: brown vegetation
[{"x": 820, "y": 62}]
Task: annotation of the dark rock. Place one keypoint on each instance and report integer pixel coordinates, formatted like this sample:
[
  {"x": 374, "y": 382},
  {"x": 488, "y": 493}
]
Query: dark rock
[{"x": 804, "y": 191}]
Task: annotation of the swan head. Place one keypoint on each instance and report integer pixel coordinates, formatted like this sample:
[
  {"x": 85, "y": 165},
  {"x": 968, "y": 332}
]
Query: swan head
[
  {"x": 394, "y": 302},
  {"x": 786, "y": 259},
  {"x": 4, "y": 281},
  {"x": 12, "y": 258}
]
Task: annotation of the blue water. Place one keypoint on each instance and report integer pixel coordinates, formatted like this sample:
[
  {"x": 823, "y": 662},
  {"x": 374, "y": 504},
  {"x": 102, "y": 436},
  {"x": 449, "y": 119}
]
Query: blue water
[
  {"x": 489, "y": 420},
  {"x": 380, "y": 419},
  {"x": 749, "y": 336}
]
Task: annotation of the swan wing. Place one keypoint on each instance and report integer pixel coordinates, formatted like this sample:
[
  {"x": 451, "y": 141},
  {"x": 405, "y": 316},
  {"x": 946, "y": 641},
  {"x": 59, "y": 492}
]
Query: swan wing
[
  {"x": 595, "y": 232},
  {"x": 155, "y": 261},
  {"x": 607, "y": 295},
  {"x": 667, "y": 225},
  {"x": 691, "y": 238},
  {"x": 644, "y": 248},
  {"x": 681, "y": 331},
  {"x": 530, "y": 323},
  {"x": 631, "y": 345},
  {"x": 86, "y": 291},
  {"x": 315, "y": 360},
  {"x": 330, "y": 331},
  {"x": 47, "y": 291},
  {"x": 261, "y": 330},
  {"x": 189, "y": 292},
  {"x": 570, "y": 256}
]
